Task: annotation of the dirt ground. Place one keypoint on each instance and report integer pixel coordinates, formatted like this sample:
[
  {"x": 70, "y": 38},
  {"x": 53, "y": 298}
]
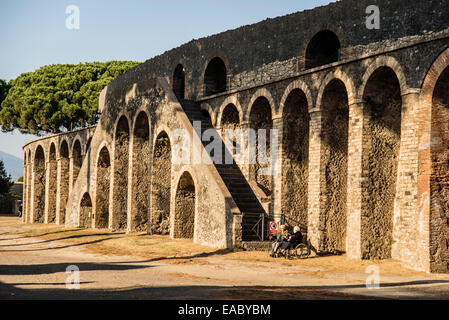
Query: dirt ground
[{"x": 34, "y": 260}]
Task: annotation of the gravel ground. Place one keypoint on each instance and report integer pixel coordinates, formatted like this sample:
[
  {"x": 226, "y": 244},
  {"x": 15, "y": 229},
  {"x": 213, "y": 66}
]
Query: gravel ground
[{"x": 35, "y": 268}]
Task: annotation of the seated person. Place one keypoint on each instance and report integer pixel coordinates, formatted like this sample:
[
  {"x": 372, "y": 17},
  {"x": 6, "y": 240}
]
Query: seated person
[
  {"x": 280, "y": 236},
  {"x": 293, "y": 240}
]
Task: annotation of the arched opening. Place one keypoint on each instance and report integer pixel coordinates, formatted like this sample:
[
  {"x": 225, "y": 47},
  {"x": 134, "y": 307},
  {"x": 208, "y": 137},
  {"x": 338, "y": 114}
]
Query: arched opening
[
  {"x": 295, "y": 160},
  {"x": 77, "y": 160},
  {"x": 86, "y": 211},
  {"x": 439, "y": 179},
  {"x": 334, "y": 155},
  {"x": 161, "y": 185},
  {"x": 179, "y": 81},
  {"x": 382, "y": 136},
  {"x": 260, "y": 119},
  {"x": 64, "y": 180},
  {"x": 230, "y": 120},
  {"x": 120, "y": 191},
  {"x": 185, "y": 208},
  {"x": 141, "y": 174},
  {"x": 39, "y": 185},
  {"x": 215, "y": 77},
  {"x": 52, "y": 184},
  {"x": 322, "y": 49},
  {"x": 101, "y": 217}
]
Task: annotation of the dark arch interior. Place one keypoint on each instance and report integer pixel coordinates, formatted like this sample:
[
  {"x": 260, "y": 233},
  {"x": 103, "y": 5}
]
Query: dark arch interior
[
  {"x": 215, "y": 77},
  {"x": 185, "y": 207},
  {"x": 101, "y": 217},
  {"x": 179, "y": 81},
  {"x": 161, "y": 185},
  {"x": 295, "y": 165},
  {"x": 260, "y": 119},
  {"x": 334, "y": 135},
  {"x": 53, "y": 167},
  {"x": 39, "y": 185},
  {"x": 64, "y": 182},
  {"x": 382, "y": 133},
  {"x": 324, "y": 48},
  {"x": 141, "y": 174},
  {"x": 77, "y": 160}
]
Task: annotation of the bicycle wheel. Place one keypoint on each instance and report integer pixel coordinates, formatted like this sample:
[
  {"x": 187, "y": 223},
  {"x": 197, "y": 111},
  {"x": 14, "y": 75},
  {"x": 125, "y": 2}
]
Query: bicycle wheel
[{"x": 302, "y": 251}]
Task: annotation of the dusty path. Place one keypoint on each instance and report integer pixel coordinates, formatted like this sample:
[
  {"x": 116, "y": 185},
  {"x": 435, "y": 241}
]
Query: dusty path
[{"x": 35, "y": 267}]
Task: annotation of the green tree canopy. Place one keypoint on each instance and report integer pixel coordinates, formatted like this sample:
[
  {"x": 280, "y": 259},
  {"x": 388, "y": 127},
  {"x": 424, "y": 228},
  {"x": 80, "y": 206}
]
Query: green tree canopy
[
  {"x": 4, "y": 88},
  {"x": 5, "y": 180},
  {"x": 57, "y": 97}
]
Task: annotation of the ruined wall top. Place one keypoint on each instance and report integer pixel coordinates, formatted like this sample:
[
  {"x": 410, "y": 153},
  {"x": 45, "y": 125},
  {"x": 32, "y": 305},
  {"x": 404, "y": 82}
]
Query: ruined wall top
[{"x": 285, "y": 37}]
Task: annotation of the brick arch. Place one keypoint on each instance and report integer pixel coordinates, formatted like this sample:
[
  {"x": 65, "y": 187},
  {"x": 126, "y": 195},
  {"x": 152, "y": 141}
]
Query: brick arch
[
  {"x": 39, "y": 183},
  {"x": 52, "y": 183},
  {"x": 229, "y": 100},
  {"x": 85, "y": 210},
  {"x": 136, "y": 115},
  {"x": 343, "y": 77},
  {"x": 77, "y": 138},
  {"x": 159, "y": 129},
  {"x": 102, "y": 186},
  {"x": 297, "y": 84},
  {"x": 262, "y": 92},
  {"x": 61, "y": 141},
  {"x": 384, "y": 61}
]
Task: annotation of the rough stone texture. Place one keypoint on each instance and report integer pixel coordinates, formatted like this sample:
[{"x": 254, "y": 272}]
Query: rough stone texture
[
  {"x": 185, "y": 208},
  {"x": 295, "y": 156},
  {"x": 160, "y": 209},
  {"x": 86, "y": 211},
  {"x": 334, "y": 162},
  {"x": 372, "y": 179},
  {"x": 382, "y": 136},
  {"x": 140, "y": 175}
]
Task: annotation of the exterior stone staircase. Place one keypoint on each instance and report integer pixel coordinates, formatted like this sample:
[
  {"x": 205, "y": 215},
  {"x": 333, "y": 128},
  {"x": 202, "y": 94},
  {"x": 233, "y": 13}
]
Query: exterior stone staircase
[{"x": 254, "y": 218}]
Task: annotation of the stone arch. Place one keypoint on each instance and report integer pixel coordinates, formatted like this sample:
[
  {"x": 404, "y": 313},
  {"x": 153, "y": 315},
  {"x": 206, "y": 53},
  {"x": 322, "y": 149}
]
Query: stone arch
[
  {"x": 52, "y": 184},
  {"x": 185, "y": 205},
  {"x": 215, "y": 77},
  {"x": 296, "y": 84},
  {"x": 260, "y": 93},
  {"x": 28, "y": 189},
  {"x": 295, "y": 158},
  {"x": 64, "y": 179},
  {"x": 380, "y": 160},
  {"x": 85, "y": 211},
  {"x": 433, "y": 159},
  {"x": 103, "y": 182},
  {"x": 39, "y": 185},
  {"x": 334, "y": 161},
  {"x": 345, "y": 79},
  {"x": 121, "y": 163},
  {"x": 141, "y": 173},
  {"x": 229, "y": 100},
  {"x": 260, "y": 118},
  {"x": 323, "y": 48},
  {"x": 161, "y": 185},
  {"x": 77, "y": 159},
  {"x": 384, "y": 61},
  {"x": 179, "y": 81}
]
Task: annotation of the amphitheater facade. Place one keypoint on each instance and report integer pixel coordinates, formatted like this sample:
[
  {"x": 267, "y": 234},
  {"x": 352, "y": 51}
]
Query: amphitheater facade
[{"x": 362, "y": 117}]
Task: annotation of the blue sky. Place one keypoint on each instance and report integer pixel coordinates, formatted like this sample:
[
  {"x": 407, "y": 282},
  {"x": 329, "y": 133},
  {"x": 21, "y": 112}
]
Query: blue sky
[{"x": 33, "y": 33}]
